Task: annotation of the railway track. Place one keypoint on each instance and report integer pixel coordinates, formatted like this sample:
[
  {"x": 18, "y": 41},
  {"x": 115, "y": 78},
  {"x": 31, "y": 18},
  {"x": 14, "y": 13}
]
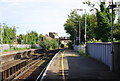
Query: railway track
[
  {"x": 43, "y": 73},
  {"x": 34, "y": 70},
  {"x": 30, "y": 70}
]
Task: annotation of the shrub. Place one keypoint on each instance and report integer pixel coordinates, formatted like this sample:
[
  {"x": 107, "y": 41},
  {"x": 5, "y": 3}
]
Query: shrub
[
  {"x": 94, "y": 40},
  {"x": 70, "y": 45},
  {"x": 48, "y": 44},
  {"x": 81, "y": 52},
  {"x": 54, "y": 44}
]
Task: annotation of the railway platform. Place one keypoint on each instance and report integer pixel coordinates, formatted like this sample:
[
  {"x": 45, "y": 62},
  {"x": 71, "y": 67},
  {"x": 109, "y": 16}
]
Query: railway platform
[{"x": 70, "y": 66}]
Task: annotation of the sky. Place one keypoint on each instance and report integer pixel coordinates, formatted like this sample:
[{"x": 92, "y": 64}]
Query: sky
[{"x": 42, "y": 16}]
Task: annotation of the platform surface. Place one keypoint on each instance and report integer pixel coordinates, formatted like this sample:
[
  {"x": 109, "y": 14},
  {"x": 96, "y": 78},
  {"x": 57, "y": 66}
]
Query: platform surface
[{"x": 69, "y": 66}]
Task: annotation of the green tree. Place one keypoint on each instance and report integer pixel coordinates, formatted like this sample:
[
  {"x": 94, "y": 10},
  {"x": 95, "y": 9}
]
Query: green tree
[
  {"x": 103, "y": 22},
  {"x": 116, "y": 31},
  {"x": 33, "y": 37},
  {"x": 46, "y": 44},
  {"x": 29, "y": 38},
  {"x": 71, "y": 26},
  {"x": 9, "y": 34},
  {"x": 20, "y": 39},
  {"x": 103, "y": 29},
  {"x": 54, "y": 44}
]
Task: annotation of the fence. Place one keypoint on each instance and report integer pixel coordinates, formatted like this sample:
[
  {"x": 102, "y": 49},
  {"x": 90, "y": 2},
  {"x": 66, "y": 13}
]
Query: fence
[
  {"x": 78, "y": 47},
  {"x": 117, "y": 57},
  {"x": 101, "y": 52},
  {"x": 7, "y": 46}
]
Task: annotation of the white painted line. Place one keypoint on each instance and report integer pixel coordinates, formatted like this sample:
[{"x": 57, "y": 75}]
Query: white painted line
[
  {"x": 44, "y": 74},
  {"x": 40, "y": 73}
]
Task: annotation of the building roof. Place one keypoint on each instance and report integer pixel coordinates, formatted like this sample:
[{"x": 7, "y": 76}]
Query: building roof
[{"x": 55, "y": 35}]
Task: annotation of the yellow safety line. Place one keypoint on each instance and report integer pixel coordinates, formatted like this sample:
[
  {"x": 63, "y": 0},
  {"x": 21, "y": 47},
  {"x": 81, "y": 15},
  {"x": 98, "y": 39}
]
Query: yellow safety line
[{"x": 63, "y": 75}]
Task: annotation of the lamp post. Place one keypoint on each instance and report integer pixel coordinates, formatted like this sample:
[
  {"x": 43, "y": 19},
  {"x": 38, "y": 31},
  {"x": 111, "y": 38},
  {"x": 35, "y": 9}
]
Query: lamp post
[
  {"x": 73, "y": 34},
  {"x": 1, "y": 50},
  {"x": 26, "y": 39},
  {"x": 112, "y": 6},
  {"x": 1, "y": 37},
  {"x": 16, "y": 38},
  {"x": 118, "y": 3},
  {"x": 74, "y": 37},
  {"x": 85, "y": 28},
  {"x": 78, "y": 37},
  {"x": 58, "y": 43},
  {"x": 79, "y": 32}
]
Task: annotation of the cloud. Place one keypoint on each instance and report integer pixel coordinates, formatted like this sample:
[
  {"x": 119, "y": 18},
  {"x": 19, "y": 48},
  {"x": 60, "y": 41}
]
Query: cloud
[{"x": 39, "y": 15}]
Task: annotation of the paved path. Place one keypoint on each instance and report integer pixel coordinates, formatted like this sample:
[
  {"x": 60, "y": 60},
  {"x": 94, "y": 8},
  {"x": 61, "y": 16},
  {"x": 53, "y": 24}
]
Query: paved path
[{"x": 77, "y": 68}]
